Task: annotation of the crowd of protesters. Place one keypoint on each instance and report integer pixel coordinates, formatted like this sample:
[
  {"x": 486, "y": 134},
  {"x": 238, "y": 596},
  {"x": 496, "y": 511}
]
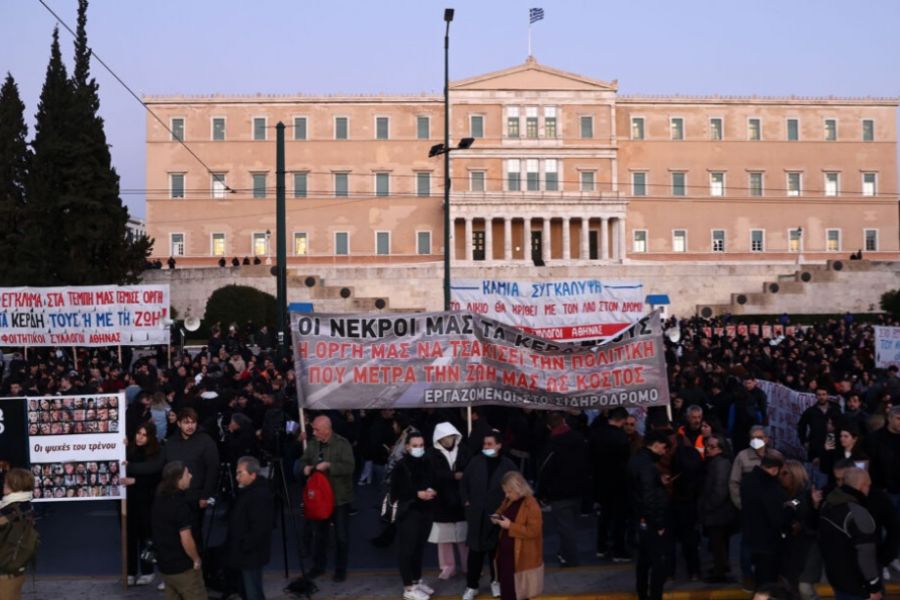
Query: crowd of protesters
[{"x": 660, "y": 482}]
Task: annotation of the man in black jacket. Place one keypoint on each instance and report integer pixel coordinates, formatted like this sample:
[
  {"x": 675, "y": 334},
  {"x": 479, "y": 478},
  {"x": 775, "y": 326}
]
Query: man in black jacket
[
  {"x": 610, "y": 452},
  {"x": 561, "y": 476},
  {"x": 651, "y": 507},
  {"x": 847, "y": 538},
  {"x": 249, "y": 541},
  {"x": 813, "y": 425},
  {"x": 762, "y": 502}
]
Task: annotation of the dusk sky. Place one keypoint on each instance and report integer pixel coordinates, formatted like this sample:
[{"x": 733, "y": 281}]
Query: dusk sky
[{"x": 762, "y": 47}]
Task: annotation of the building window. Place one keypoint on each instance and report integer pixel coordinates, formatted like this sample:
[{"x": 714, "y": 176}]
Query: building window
[
  {"x": 795, "y": 240},
  {"x": 218, "y": 185},
  {"x": 177, "y": 244},
  {"x": 637, "y": 128},
  {"x": 679, "y": 240},
  {"x": 587, "y": 181},
  {"x": 259, "y": 128},
  {"x": 299, "y": 128},
  {"x": 718, "y": 240},
  {"x": 587, "y": 127},
  {"x": 549, "y": 121},
  {"x": 677, "y": 126},
  {"x": 301, "y": 182},
  {"x": 176, "y": 185},
  {"x": 513, "y": 176},
  {"x": 260, "y": 244},
  {"x": 301, "y": 244},
  {"x": 639, "y": 243},
  {"x": 833, "y": 240},
  {"x": 639, "y": 184},
  {"x": 715, "y": 128},
  {"x": 476, "y": 181},
  {"x": 341, "y": 185},
  {"x": 341, "y": 128},
  {"x": 830, "y": 130},
  {"x": 793, "y": 130},
  {"x": 341, "y": 243},
  {"x": 382, "y": 184},
  {"x": 532, "y": 175},
  {"x": 512, "y": 121},
  {"x": 754, "y": 130},
  {"x": 679, "y": 179},
  {"x": 717, "y": 184},
  {"x": 868, "y": 184},
  {"x": 551, "y": 175},
  {"x": 382, "y": 243},
  {"x": 793, "y": 184},
  {"x": 756, "y": 184},
  {"x": 423, "y": 184},
  {"x": 832, "y": 184},
  {"x": 423, "y": 128},
  {"x": 868, "y": 130},
  {"x": 218, "y": 244},
  {"x": 423, "y": 242},
  {"x": 531, "y": 122},
  {"x": 871, "y": 239},
  {"x": 382, "y": 128},
  {"x": 259, "y": 185},
  {"x": 476, "y": 126},
  {"x": 177, "y": 127},
  {"x": 757, "y": 240},
  {"x": 218, "y": 129}
]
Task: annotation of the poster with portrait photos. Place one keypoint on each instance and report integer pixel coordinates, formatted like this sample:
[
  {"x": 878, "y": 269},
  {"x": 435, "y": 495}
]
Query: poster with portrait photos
[{"x": 74, "y": 445}]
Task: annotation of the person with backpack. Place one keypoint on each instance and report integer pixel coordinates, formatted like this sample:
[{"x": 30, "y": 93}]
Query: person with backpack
[{"x": 18, "y": 535}]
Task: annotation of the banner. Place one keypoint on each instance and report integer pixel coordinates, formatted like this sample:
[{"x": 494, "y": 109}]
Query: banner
[
  {"x": 887, "y": 346},
  {"x": 102, "y": 315},
  {"x": 446, "y": 359},
  {"x": 785, "y": 408},
  {"x": 571, "y": 309},
  {"x": 74, "y": 445}
]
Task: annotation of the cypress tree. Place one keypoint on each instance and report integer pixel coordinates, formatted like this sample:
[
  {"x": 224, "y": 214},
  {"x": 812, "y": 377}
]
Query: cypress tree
[{"x": 14, "y": 159}]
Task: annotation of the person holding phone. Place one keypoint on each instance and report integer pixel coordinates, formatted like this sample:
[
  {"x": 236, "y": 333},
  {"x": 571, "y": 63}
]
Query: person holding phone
[
  {"x": 846, "y": 442},
  {"x": 519, "y": 558}
]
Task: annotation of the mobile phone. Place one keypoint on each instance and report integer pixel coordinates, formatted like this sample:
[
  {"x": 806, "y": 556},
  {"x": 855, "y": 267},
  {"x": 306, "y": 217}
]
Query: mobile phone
[
  {"x": 795, "y": 502},
  {"x": 495, "y": 517},
  {"x": 829, "y": 438}
]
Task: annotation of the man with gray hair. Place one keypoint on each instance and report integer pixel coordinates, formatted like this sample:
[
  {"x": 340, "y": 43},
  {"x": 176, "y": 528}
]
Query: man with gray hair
[
  {"x": 848, "y": 539},
  {"x": 247, "y": 546}
]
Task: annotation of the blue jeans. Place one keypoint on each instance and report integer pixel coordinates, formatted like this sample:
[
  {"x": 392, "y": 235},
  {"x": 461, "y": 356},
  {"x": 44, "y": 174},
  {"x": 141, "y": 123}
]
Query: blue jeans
[{"x": 253, "y": 584}]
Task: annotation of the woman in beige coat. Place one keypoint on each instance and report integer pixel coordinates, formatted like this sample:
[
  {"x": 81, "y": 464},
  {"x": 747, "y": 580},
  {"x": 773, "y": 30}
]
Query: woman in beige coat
[{"x": 520, "y": 548}]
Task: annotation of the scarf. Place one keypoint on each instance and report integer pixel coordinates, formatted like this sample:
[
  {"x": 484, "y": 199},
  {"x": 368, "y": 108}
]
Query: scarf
[
  {"x": 14, "y": 497},
  {"x": 450, "y": 455}
]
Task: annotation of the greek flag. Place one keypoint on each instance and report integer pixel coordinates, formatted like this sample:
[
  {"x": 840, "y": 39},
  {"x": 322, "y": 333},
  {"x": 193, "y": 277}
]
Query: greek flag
[{"x": 535, "y": 14}]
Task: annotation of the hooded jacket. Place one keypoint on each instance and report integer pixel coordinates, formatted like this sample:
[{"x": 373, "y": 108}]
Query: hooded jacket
[
  {"x": 847, "y": 538},
  {"x": 445, "y": 464}
]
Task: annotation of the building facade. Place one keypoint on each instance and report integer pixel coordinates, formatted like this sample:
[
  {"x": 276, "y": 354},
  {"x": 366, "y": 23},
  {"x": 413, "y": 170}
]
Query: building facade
[{"x": 563, "y": 170}]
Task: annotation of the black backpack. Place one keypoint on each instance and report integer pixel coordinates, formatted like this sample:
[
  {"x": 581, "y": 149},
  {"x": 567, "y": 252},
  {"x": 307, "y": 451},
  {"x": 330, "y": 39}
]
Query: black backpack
[{"x": 19, "y": 542}]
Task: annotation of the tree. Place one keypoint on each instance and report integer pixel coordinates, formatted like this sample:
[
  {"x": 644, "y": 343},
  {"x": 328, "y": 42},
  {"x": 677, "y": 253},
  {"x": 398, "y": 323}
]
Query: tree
[
  {"x": 14, "y": 159},
  {"x": 239, "y": 304},
  {"x": 890, "y": 303}
]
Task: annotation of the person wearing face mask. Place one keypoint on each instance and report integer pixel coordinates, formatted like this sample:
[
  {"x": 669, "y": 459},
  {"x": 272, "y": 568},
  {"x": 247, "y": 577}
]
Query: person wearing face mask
[
  {"x": 448, "y": 459},
  {"x": 481, "y": 495},
  {"x": 412, "y": 486}
]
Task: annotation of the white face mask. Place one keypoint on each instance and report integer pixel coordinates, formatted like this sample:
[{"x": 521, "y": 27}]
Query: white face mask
[
  {"x": 417, "y": 452},
  {"x": 489, "y": 452},
  {"x": 757, "y": 443}
]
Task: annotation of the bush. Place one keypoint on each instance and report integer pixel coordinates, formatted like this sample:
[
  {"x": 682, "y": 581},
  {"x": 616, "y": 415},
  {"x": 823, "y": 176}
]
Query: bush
[
  {"x": 239, "y": 304},
  {"x": 890, "y": 303}
]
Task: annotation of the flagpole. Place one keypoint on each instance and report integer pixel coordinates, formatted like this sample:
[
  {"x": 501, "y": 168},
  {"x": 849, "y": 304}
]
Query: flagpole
[{"x": 529, "y": 36}]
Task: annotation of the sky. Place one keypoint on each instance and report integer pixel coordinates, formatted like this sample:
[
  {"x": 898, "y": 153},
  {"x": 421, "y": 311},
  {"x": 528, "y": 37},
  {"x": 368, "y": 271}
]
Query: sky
[{"x": 688, "y": 47}]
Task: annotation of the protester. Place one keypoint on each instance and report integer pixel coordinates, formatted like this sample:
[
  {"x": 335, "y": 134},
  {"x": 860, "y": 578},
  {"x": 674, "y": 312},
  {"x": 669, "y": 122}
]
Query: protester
[
  {"x": 762, "y": 517},
  {"x": 412, "y": 487},
  {"x": 144, "y": 465},
  {"x": 610, "y": 452},
  {"x": 847, "y": 443},
  {"x": 801, "y": 563},
  {"x": 519, "y": 558},
  {"x": 687, "y": 470},
  {"x": 18, "y": 537},
  {"x": 448, "y": 459},
  {"x": 812, "y": 429},
  {"x": 747, "y": 460},
  {"x": 717, "y": 512},
  {"x": 331, "y": 454},
  {"x": 481, "y": 495},
  {"x": 250, "y": 522},
  {"x": 177, "y": 554}
]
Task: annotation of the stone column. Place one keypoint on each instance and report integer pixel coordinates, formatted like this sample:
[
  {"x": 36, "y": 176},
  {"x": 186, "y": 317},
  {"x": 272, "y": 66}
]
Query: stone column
[
  {"x": 622, "y": 240},
  {"x": 488, "y": 239},
  {"x": 604, "y": 238},
  {"x": 585, "y": 238},
  {"x": 507, "y": 239},
  {"x": 545, "y": 242},
  {"x": 566, "y": 238},
  {"x": 469, "y": 238}
]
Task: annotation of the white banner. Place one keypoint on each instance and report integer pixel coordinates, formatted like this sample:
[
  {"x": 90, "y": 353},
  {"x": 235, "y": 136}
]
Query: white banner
[
  {"x": 887, "y": 347},
  {"x": 557, "y": 309},
  {"x": 104, "y": 315},
  {"x": 785, "y": 408}
]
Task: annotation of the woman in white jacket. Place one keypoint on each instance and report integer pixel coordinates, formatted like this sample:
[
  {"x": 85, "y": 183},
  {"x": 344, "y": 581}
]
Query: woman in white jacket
[{"x": 448, "y": 460}]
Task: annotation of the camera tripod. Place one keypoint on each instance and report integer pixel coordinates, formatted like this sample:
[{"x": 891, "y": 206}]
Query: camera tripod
[{"x": 301, "y": 586}]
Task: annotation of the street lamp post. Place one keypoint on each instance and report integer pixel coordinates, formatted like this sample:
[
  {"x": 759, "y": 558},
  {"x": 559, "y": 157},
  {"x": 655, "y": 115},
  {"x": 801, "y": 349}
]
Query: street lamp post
[{"x": 448, "y": 17}]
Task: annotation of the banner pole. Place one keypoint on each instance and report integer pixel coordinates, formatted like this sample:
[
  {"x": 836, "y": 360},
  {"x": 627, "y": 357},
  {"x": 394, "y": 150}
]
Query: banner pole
[
  {"x": 75, "y": 358},
  {"x": 169, "y": 354},
  {"x": 119, "y": 348},
  {"x": 469, "y": 417},
  {"x": 26, "y": 353},
  {"x": 124, "y": 536},
  {"x": 303, "y": 426}
]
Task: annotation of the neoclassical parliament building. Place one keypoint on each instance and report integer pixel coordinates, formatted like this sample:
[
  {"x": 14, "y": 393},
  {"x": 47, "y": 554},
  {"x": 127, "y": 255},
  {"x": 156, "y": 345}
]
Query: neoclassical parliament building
[{"x": 563, "y": 171}]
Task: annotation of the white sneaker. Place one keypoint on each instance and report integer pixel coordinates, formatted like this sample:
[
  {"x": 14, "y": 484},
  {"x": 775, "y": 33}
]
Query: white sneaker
[
  {"x": 423, "y": 587},
  {"x": 495, "y": 589},
  {"x": 470, "y": 594},
  {"x": 414, "y": 594},
  {"x": 161, "y": 586},
  {"x": 131, "y": 580},
  {"x": 144, "y": 580}
]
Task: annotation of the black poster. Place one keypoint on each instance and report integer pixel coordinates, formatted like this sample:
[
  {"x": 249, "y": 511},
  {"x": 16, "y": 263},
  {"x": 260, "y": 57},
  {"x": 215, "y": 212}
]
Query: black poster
[{"x": 14, "y": 432}]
